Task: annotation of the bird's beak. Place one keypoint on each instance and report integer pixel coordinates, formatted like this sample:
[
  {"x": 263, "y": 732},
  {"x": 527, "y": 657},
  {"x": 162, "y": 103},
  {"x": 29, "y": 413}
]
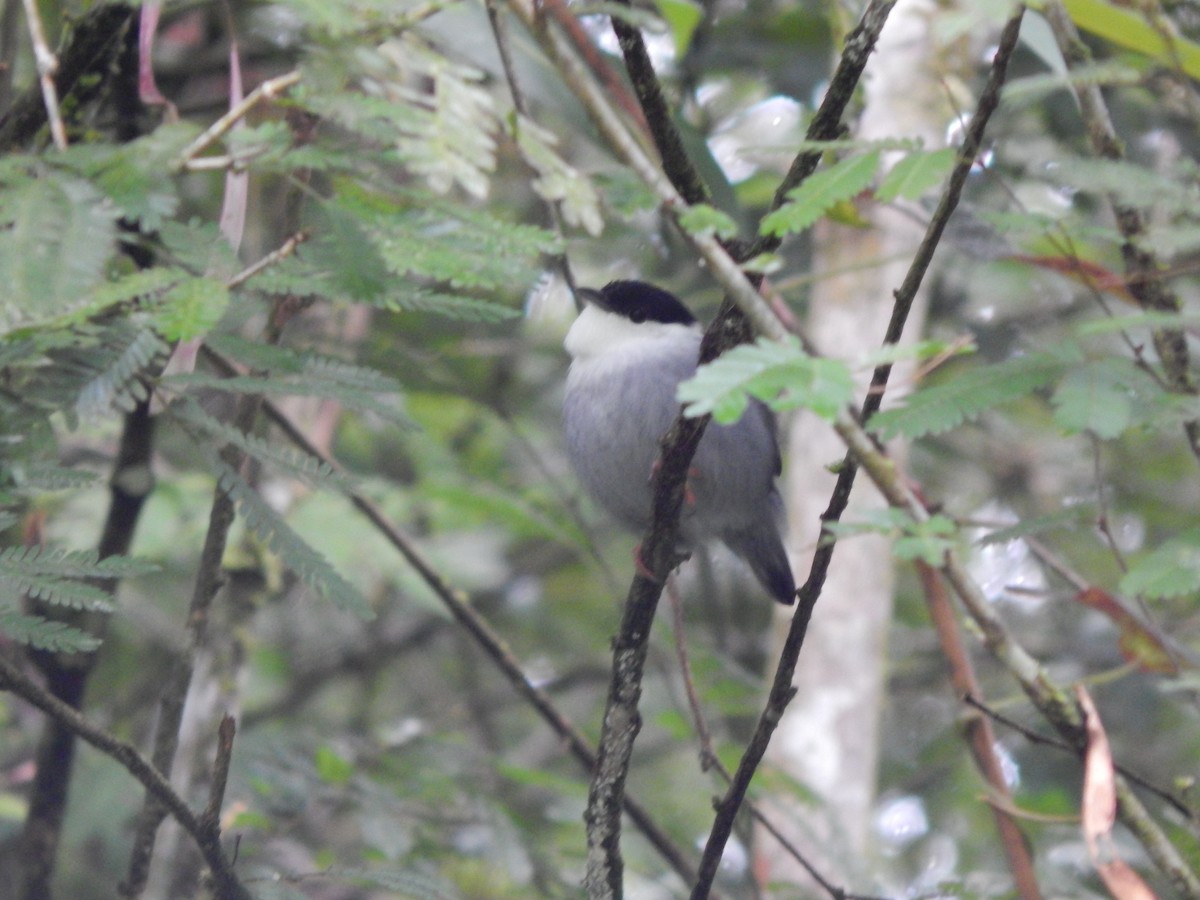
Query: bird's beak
[{"x": 590, "y": 295}]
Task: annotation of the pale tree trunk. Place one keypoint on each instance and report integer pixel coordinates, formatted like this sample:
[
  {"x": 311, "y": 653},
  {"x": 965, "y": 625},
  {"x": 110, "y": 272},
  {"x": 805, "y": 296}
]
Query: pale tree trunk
[{"x": 828, "y": 739}]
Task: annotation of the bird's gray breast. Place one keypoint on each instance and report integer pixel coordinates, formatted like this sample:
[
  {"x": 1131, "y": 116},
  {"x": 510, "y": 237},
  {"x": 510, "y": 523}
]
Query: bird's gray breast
[{"x": 615, "y": 414}]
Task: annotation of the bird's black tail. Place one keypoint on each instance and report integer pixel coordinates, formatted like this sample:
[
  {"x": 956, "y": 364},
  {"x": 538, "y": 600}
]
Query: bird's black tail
[{"x": 762, "y": 548}]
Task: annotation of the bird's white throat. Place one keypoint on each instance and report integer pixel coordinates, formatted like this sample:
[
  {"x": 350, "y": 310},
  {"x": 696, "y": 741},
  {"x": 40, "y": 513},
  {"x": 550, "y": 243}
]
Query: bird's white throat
[{"x": 599, "y": 333}]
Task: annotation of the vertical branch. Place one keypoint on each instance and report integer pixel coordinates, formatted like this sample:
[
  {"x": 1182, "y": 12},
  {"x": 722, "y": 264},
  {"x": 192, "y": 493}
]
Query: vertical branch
[
  {"x": 621, "y": 719},
  {"x": 47, "y": 66},
  {"x": 480, "y": 631},
  {"x": 500, "y": 35},
  {"x": 67, "y": 674},
  {"x": 782, "y": 690},
  {"x": 179, "y": 680},
  {"x": 225, "y": 882}
]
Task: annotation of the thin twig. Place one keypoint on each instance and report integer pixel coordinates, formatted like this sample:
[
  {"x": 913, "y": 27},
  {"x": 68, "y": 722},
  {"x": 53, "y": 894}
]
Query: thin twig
[
  {"x": 860, "y": 446},
  {"x": 710, "y": 761},
  {"x": 47, "y": 66},
  {"x": 155, "y": 783},
  {"x": 708, "y": 756},
  {"x": 493, "y": 646},
  {"x": 175, "y": 689},
  {"x": 676, "y": 163},
  {"x": 284, "y": 250},
  {"x": 614, "y": 87},
  {"x": 211, "y": 817},
  {"x": 91, "y": 50},
  {"x": 268, "y": 90},
  {"x": 1176, "y": 803},
  {"x": 500, "y": 36},
  {"x": 1102, "y": 517}
]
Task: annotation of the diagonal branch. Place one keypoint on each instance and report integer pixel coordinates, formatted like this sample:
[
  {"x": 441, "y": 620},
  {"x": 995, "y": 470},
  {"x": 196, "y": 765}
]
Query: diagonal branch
[
  {"x": 67, "y": 675},
  {"x": 494, "y": 646},
  {"x": 675, "y": 160},
  {"x": 206, "y": 837},
  {"x": 781, "y": 689},
  {"x": 980, "y": 736},
  {"x": 621, "y": 719}
]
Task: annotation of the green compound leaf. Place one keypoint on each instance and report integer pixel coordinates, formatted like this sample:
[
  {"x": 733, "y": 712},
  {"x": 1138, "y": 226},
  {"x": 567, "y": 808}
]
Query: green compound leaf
[{"x": 779, "y": 373}]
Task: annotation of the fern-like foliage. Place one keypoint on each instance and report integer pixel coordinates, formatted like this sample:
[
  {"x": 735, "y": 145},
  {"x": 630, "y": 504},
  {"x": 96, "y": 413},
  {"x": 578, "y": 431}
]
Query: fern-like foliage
[
  {"x": 45, "y": 634},
  {"x": 56, "y": 235},
  {"x": 1171, "y": 570},
  {"x": 821, "y": 191},
  {"x": 72, "y": 563},
  {"x": 964, "y": 395},
  {"x": 28, "y": 478},
  {"x": 355, "y": 387},
  {"x": 310, "y": 566},
  {"x": 285, "y": 460},
  {"x": 449, "y": 136},
  {"x": 117, "y": 383},
  {"x": 81, "y": 370},
  {"x": 779, "y": 373},
  {"x": 558, "y": 181},
  {"x": 59, "y": 577}
]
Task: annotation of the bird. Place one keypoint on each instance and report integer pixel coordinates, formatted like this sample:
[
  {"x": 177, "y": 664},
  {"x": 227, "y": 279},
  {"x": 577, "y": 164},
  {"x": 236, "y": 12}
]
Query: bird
[{"x": 630, "y": 347}]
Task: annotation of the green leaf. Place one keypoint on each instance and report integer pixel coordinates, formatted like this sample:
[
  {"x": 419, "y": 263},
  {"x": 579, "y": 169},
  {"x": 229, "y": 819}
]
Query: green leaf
[
  {"x": 56, "y": 235},
  {"x": 71, "y": 563},
  {"x": 44, "y": 634},
  {"x": 63, "y": 577},
  {"x": 916, "y": 173},
  {"x": 1172, "y": 570},
  {"x": 409, "y": 298},
  {"x": 557, "y": 181},
  {"x": 355, "y": 387},
  {"x": 843, "y": 180},
  {"x": 29, "y": 477},
  {"x": 702, "y": 219},
  {"x": 779, "y": 373},
  {"x": 928, "y": 541},
  {"x": 682, "y": 16},
  {"x": 1100, "y": 395},
  {"x": 136, "y": 177},
  {"x": 1128, "y": 28},
  {"x": 117, "y": 383},
  {"x": 448, "y": 138},
  {"x": 964, "y": 395},
  {"x": 287, "y": 460},
  {"x": 1150, "y": 318},
  {"x": 343, "y": 249},
  {"x": 331, "y": 768},
  {"x": 309, "y": 565},
  {"x": 921, "y": 350},
  {"x": 191, "y": 308}
]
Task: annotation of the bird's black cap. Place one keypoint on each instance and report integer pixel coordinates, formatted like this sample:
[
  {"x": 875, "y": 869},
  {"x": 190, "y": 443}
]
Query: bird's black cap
[{"x": 639, "y": 302}]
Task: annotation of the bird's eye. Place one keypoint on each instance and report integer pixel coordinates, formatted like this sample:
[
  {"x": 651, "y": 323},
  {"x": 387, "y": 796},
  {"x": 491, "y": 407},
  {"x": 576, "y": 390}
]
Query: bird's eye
[{"x": 638, "y": 316}]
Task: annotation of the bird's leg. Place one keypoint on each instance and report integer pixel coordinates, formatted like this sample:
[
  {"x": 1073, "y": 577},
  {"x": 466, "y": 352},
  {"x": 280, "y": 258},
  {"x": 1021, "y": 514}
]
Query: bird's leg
[{"x": 642, "y": 568}]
